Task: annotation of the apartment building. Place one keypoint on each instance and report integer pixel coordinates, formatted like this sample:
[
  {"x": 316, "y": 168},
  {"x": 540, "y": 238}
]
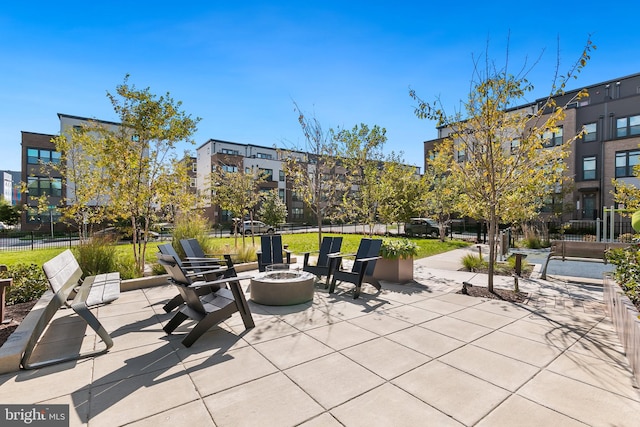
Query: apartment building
[
  {"x": 235, "y": 157},
  {"x": 608, "y": 150}
]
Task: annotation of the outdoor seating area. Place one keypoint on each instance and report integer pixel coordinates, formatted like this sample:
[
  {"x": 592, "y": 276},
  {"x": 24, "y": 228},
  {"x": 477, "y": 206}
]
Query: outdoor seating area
[{"x": 404, "y": 355}]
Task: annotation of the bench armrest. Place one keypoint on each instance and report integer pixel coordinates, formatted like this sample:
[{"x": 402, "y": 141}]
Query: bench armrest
[{"x": 220, "y": 281}]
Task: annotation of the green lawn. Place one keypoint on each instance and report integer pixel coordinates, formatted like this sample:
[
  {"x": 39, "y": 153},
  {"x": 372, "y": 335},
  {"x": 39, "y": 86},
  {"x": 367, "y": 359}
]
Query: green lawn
[{"x": 298, "y": 243}]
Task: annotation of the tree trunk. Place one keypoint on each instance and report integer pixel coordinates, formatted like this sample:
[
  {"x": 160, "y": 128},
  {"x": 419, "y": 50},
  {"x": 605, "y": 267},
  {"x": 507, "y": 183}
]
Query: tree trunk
[
  {"x": 492, "y": 250},
  {"x": 319, "y": 230}
]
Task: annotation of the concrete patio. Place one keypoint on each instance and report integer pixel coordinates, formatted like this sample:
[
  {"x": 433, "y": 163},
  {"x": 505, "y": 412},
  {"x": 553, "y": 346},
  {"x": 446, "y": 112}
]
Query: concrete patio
[{"x": 416, "y": 354}]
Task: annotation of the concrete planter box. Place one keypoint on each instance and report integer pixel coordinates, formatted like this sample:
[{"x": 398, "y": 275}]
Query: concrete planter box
[
  {"x": 626, "y": 322},
  {"x": 394, "y": 270}
]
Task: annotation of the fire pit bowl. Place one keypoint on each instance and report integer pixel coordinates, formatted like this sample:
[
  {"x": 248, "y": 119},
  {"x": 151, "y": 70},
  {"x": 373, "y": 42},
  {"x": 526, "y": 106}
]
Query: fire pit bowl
[{"x": 282, "y": 287}]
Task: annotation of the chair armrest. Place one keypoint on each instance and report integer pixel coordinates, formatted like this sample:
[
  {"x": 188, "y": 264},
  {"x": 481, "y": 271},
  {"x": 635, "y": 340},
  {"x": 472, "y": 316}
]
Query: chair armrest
[
  {"x": 220, "y": 281},
  {"x": 204, "y": 273},
  {"x": 369, "y": 259},
  {"x": 200, "y": 259},
  {"x": 339, "y": 255}
]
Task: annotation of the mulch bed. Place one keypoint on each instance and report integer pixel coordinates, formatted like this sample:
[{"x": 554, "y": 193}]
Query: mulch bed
[
  {"x": 16, "y": 313},
  {"x": 499, "y": 294}
]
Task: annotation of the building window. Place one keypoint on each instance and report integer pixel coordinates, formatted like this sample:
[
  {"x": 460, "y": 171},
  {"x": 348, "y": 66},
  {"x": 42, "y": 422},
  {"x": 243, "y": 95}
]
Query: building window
[
  {"x": 515, "y": 144},
  {"x": 37, "y": 156},
  {"x": 230, "y": 152},
  {"x": 247, "y": 170},
  {"x": 628, "y": 126},
  {"x": 551, "y": 139},
  {"x": 229, "y": 168},
  {"x": 264, "y": 156},
  {"x": 589, "y": 168},
  {"x": 297, "y": 213},
  {"x": 44, "y": 186},
  {"x": 461, "y": 155},
  {"x": 192, "y": 183},
  {"x": 295, "y": 196},
  {"x": 267, "y": 174},
  {"x": 281, "y": 173},
  {"x": 194, "y": 167},
  {"x": 281, "y": 194},
  {"x": 226, "y": 215},
  {"x": 625, "y": 161},
  {"x": 591, "y": 132}
]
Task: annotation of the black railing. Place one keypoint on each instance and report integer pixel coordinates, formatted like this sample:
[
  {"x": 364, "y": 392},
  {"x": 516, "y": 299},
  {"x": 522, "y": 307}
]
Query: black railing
[{"x": 30, "y": 240}]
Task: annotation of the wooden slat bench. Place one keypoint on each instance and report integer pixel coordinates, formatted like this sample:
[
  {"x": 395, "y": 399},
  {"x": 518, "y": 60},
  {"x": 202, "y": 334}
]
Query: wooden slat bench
[
  {"x": 579, "y": 251},
  {"x": 67, "y": 288}
]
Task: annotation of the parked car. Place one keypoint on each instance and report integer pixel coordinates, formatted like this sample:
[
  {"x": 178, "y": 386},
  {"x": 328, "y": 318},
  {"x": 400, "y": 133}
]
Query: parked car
[
  {"x": 422, "y": 227},
  {"x": 256, "y": 227}
]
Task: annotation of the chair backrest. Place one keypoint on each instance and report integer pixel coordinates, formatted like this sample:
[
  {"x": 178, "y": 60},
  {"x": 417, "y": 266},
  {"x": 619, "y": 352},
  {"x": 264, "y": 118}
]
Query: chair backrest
[
  {"x": 168, "y": 249},
  {"x": 192, "y": 248},
  {"x": 181, "y": 281},
  {"x": 271, "y": 246},
  {"x": 368, "y": 248},
  {"x": 328, "y": 246}
]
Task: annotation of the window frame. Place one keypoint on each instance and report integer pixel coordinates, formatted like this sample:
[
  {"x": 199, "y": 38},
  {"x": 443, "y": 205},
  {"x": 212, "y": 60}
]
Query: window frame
[
  {"x": 590, "y": 136},
  {"x": 627, "y": 169},
  {"x": 593, "y": 159}
]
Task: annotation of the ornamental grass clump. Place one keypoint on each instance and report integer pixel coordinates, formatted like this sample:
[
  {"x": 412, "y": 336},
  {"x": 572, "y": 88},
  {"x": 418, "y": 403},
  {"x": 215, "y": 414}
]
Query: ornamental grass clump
[
  {"x": 627, "y": 272},
  {"x": 398, "y": 248}
]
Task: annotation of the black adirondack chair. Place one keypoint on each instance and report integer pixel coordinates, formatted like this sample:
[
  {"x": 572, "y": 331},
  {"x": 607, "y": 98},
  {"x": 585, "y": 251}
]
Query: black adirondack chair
[
  {"x": 206, "y": 309},
  {"x": 271, "y": 252},
  {"x": 324, "y": 266},
  {"x": 363, "y": 266},
  {"x": 194, "y": 270}
]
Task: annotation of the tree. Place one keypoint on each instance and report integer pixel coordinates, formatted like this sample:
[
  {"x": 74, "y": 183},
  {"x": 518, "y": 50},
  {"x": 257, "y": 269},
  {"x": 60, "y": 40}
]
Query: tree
[
  {"x": 317, "y": 177},
  {"x": 502, "y": 163},
  {"x": 138, "y": 166},
  {"x": 85, "y": 201},
  {"x": 363, "y": 161},
  {"x": 441, "y": 193},
  {"x": 10, "y": 215},
  {"x": 273, "y": 211},
  {"x": 401, "y": 191},
  {"x": 236, "y": 192}
]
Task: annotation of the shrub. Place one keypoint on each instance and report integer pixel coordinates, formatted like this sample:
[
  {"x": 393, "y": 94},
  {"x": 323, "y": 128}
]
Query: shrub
[
  {"x": 627, "y": 272},
  {"x": 97, "y": 256},
  {"x": 626, "y": 238},
  {"x": 29, "y": 283},
  {"x": 246, "y": 254},
  {"x": 398, "y": 248},
  {"x": 589, "y": 238},
  {"x": 473, "y": 262},
  {"x": 191, "y": 227}
]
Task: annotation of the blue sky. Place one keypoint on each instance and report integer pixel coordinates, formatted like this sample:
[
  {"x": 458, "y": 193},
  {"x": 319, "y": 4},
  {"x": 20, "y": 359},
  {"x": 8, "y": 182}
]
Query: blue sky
[{"x": 241, "y": 65}]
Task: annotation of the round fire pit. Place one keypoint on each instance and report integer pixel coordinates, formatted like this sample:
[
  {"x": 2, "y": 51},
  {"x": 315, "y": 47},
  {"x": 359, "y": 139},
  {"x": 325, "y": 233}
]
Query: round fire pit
[{"x": 282, "y": 287}]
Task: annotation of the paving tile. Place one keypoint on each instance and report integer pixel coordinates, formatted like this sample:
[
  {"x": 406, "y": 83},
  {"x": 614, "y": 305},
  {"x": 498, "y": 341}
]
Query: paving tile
[
  {"x": 503, "y": 308},
  {"x": 558, "y": 336},
  {"x": 389, "y": 405},
  {"x": 455, "y": 393},
  {"x": 118, "y": 365},
  {"x": 456, "y": 328},
  {"x": 227, "y": 370},
  {"x": 322, "y": 420},
  {"x": 385, "y": 357},
  {"x": 292, "y": 350},
  {"x": 425, "y": 341},
  {"x": 499, "y": 370},
  {"x": 404, "y": 294},
  {"x": 264, "y": 331},
  {"x": 309, "y": 319},
  {"x": 346, "y": 310},
  {"x": 46, "y": 383},
  {"x": 605, "y": 348},
  {"x": 78, "y": 406},
  {"x": 270, "y": 401},
  {"x": 613, "y": 377},
  {"x": 584, "y": 402},
  {"x": 522, "y": 349},
  {"x": 380, "y": 323},
  {"x": 411, "y": 314},
  {"x": 333, "y": 379},
  {"x": 459, "y": 299},
  {"x": 190, "y": 414},
  {"x": 436, "y": 305},
  {"x": 217, "y": 340},
  {"x": 482, "y": 318},
  {"x": 521, "y": 412},
  {"x": 341, "y": 335},
  {"x": 118, "y": 308},
  {"x": 138, "y": 397}
]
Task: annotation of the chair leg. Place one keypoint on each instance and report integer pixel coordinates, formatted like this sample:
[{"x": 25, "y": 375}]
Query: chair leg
[
  {"x": 175, "y": 321},
  {"x": 241, "y": 304},
  {"x": 175, "y": 302},
  {"x": 332, "y": 288},
  {"x": 356, "y": 292}
]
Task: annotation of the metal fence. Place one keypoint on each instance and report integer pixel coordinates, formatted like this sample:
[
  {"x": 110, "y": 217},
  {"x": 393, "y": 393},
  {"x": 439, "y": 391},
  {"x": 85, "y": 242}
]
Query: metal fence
[{"x": 30, "y": 240}]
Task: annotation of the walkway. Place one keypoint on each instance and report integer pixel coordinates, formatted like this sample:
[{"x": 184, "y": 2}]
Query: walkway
[{"x": 416, "y": 354}]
